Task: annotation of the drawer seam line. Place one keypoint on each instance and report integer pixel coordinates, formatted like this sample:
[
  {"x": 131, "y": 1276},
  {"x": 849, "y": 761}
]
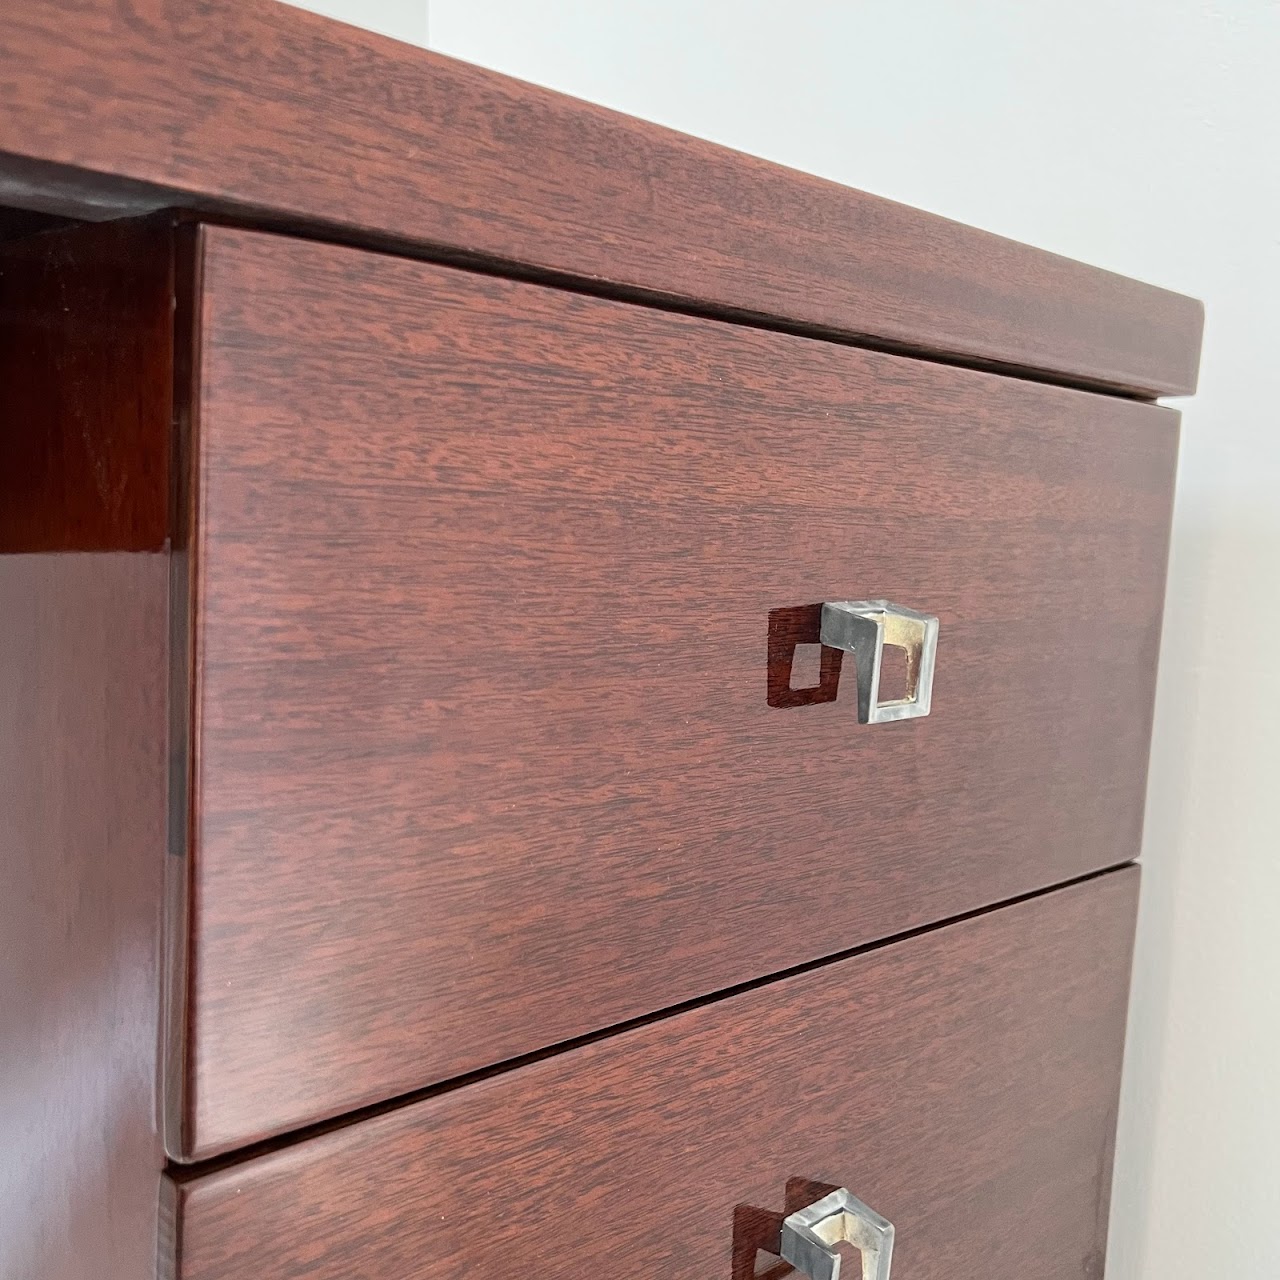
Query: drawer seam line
[{"x": 183, "y": 1172}]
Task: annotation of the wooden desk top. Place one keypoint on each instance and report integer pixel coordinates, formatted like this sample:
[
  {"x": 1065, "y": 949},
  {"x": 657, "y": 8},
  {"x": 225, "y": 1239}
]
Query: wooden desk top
[{"x": 262, "y": 113}]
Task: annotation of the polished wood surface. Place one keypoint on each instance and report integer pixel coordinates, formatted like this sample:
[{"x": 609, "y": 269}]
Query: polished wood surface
[
  {"x": 962, "y": 1082},
  {"x": 86, "y": 335},
  {"x": 484, "y": 751},
  {"x": 83, "y": 755},
  {"x": 255, "y": 109}
]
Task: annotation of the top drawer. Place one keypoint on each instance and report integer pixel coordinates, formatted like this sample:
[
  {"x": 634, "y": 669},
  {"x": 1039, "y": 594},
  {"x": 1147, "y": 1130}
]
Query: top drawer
[{"x": 493, "y": 589}]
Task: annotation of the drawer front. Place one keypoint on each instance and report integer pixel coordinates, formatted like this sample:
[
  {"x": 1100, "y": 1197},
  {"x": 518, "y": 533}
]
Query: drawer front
[
  {"x": 961, "y": 1082},
  {"x": 483, "y": 750}
]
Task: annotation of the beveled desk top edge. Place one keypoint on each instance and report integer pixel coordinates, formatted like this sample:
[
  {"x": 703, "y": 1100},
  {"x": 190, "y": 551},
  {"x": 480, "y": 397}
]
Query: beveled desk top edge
[{"x": 267, "y": 114}]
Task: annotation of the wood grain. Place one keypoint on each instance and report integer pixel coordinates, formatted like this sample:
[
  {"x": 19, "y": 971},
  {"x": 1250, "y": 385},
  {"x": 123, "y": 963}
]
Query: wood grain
[
  {"x": 83, "y": 750},
  {"x": 484, "y": 757},
  {"x": 962, "y": 1082},
  {"x": 789, "y": 628},
  {"x": 253, "y": 108},
  {"x": 86, "y": 340}
]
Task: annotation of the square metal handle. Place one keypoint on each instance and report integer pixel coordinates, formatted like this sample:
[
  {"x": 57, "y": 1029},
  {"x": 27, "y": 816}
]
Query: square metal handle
[
  {"x": 810, "y": 1237},
  {"x": 863, "y": 628}
]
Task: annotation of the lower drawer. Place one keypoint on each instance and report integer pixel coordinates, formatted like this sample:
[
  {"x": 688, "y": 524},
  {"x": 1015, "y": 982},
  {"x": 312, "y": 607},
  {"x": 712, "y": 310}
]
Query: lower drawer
[{"x": 961, "y": 1082}]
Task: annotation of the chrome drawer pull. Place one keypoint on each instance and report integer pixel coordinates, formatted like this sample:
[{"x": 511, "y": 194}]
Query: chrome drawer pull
[
  {"x": 810, "y": 1236},
  {"x": 863, "y": 628}
]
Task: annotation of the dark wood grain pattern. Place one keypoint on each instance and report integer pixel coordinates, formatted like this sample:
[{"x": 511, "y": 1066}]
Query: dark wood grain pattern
[
  {"x": 257, "y": 109},
  {"x": 86, "y": 375},
  {"x": 788, "y": 628},
  {"x": 484, "y": 757},
  {"x": 83, "y": 759},
  {"x": 962, "y": 1082}
]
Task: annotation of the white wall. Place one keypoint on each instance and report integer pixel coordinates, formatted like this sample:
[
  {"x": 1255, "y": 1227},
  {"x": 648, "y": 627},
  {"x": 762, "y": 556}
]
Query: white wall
[
  {"x": 400, "y": 19},
  {"x": 1144, "y": 136}
]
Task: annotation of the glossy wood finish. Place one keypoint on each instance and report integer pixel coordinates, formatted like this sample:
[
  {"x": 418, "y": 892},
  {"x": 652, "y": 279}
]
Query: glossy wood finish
[
  {"x": 963, "y": 1082},
  {"x": 86, "y": 375},
  {"x": 484, "y": 755},
  {"x": 257, "y": 109},
  {"x": 83, "y": 749}
]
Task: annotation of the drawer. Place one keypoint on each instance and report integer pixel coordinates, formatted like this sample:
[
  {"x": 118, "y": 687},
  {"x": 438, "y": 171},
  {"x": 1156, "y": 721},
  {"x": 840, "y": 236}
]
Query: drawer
[
  {"x": 962, "y": 1083},
  {"x": 494, "y": 594}
]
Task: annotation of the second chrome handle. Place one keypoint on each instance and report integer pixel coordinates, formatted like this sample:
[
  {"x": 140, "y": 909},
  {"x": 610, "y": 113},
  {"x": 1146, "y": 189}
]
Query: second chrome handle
[{"x": 811, "y": 1236}]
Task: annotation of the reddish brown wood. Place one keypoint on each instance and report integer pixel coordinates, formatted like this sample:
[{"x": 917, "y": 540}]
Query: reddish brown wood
[
  {"x": 253, "y": 107},
  {"x": 787, "y": 629},
  {"x": 962, "y": 1082},
  {"x": 86, "y": 376},
  {"x": 484, "y": 758},
  {"x": 83, "y": 758}
]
